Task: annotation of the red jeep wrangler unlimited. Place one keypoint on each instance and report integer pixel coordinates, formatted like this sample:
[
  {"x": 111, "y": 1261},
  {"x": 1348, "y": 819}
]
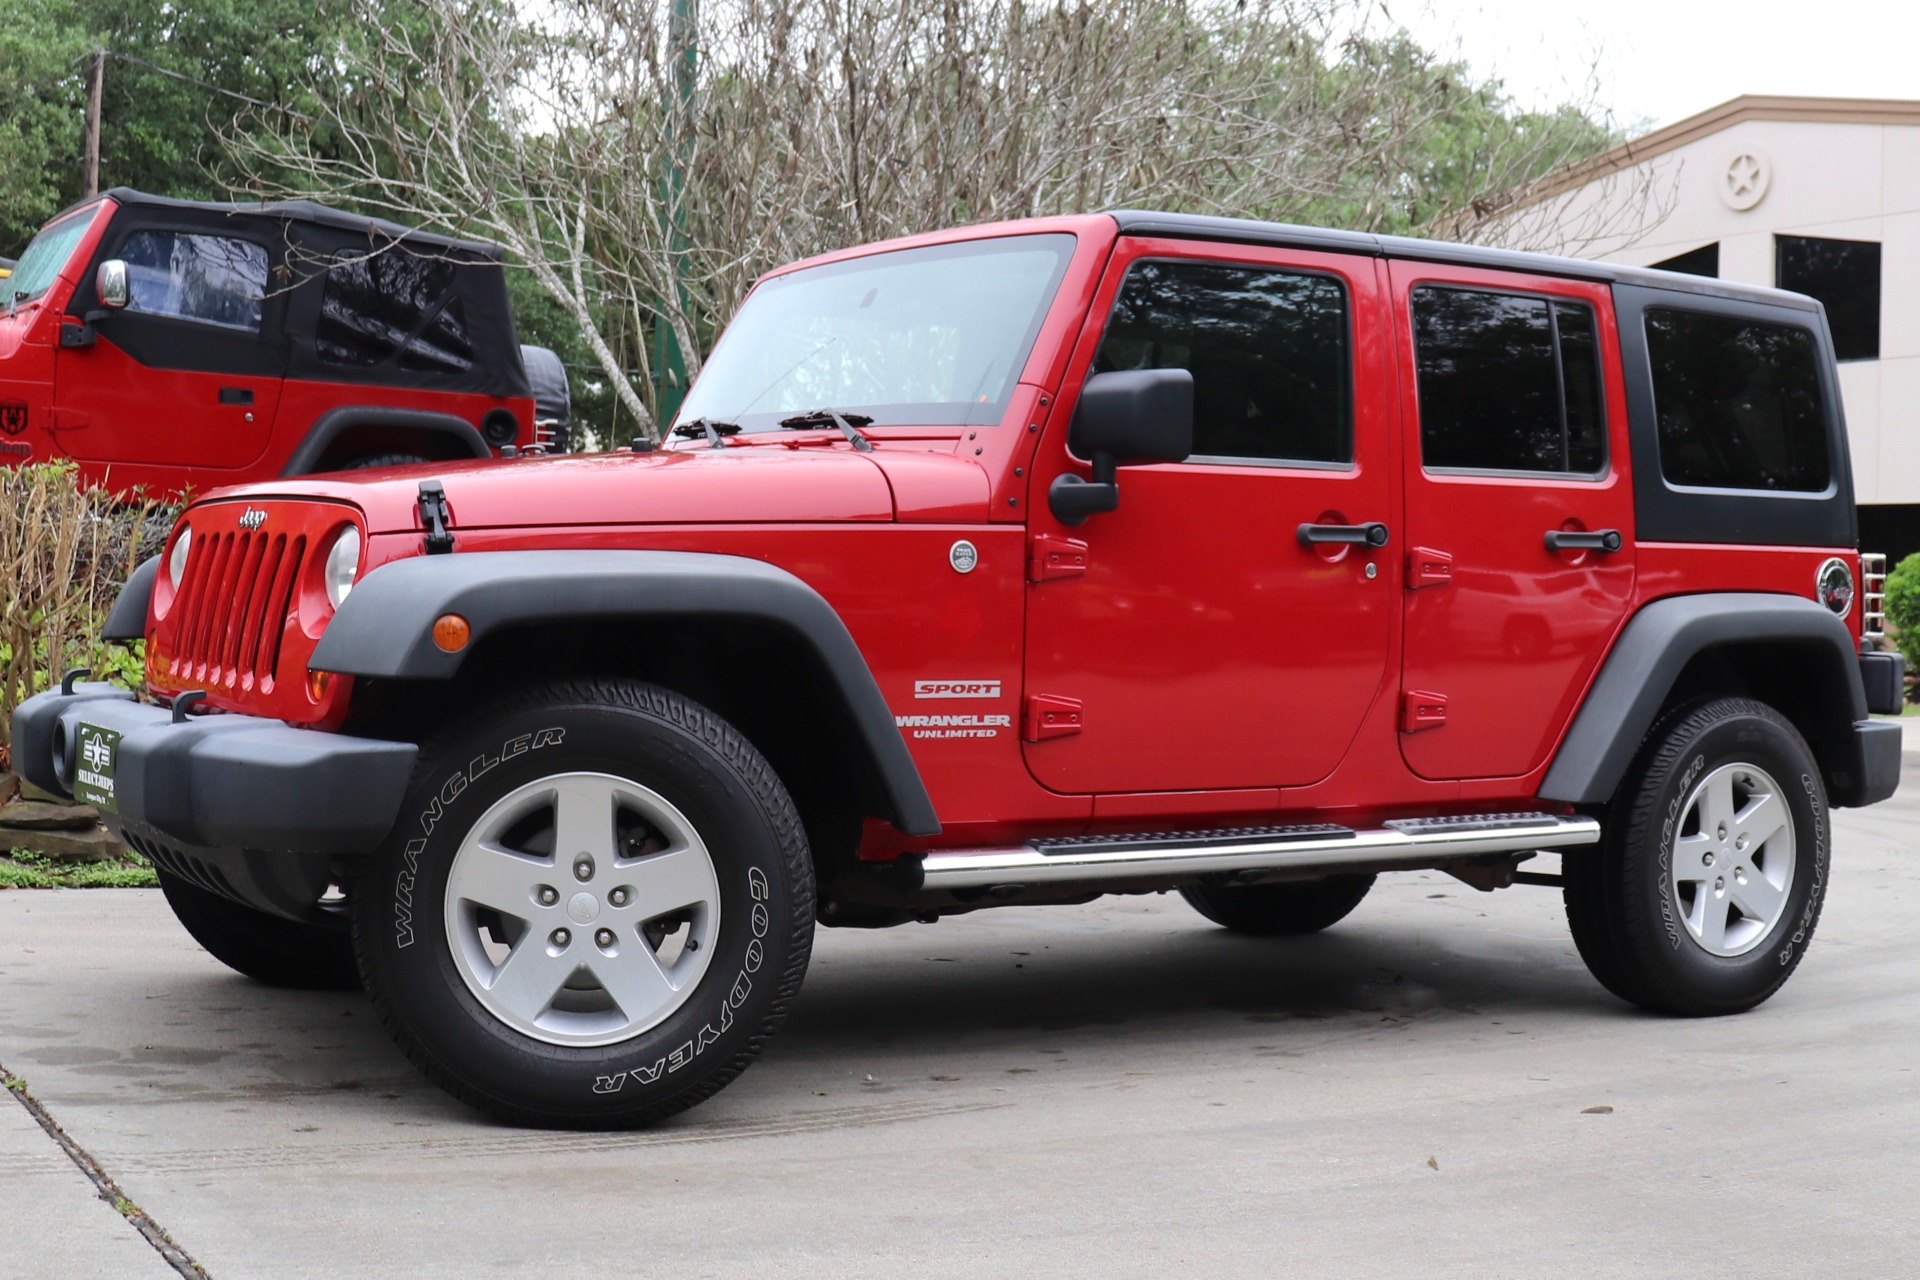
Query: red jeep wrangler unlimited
[
  {"x": 1017, "y": 564},
  {"x": 172, "y": 344}
]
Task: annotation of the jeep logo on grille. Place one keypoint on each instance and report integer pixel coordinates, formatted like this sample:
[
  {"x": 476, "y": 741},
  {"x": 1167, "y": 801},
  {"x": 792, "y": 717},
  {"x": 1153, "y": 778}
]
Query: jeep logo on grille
[{"x": 251, "y": 519}]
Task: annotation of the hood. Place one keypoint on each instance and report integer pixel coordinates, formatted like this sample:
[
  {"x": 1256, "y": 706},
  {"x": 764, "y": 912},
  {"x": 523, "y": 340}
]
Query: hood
[{"x": 756, "y": 485}]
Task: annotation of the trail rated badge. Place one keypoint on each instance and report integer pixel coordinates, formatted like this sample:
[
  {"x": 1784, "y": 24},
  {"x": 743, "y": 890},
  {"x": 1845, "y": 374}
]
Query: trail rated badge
[{"x": 13, "y": 417}]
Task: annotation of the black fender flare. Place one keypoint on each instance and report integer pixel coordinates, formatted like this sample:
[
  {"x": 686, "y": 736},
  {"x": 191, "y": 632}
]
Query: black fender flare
[
  {"x": 384, "y": 627},
  {"x": 330, "y": 425},
  {"x": 1652, "y": 651},
  {"x": 127, "y": 620}
]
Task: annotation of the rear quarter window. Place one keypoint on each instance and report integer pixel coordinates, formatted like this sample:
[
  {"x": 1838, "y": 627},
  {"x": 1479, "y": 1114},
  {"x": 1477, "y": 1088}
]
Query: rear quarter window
[{"x": 1738, "y": 403}]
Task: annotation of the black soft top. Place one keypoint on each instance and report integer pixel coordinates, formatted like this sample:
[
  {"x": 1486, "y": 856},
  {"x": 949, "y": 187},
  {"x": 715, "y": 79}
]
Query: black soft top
[
  {"x": 307, "y": 211},
  {"x": 346, "y": 287},
  {"x": 1190, "y": 226}
]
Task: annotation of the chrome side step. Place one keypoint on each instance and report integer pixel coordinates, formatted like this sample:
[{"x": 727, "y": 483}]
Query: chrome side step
[{"x": 1089, "y": 859}]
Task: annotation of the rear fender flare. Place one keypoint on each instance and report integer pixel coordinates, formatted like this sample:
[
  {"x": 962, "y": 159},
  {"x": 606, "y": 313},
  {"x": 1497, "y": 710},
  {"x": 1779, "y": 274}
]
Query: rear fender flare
[
  {"x": 334, "y": 423},
  {"x": 384, "y": 627},
  {"x": 1653, "y": 650}
]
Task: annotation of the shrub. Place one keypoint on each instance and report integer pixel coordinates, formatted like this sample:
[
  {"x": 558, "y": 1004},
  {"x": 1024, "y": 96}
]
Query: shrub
[
  {"x": 65, "y": 548},
  {"x": 1903, "y": 608}
]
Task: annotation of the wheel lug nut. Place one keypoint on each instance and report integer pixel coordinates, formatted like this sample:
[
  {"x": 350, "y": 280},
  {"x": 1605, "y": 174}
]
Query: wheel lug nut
[
  {"x": 548, "y": 895},
  {"x": 561, "y": 937},
  {"x": 604, "y": 938},
  {"x": 1707, "y": 858},
  {"x": 1723, "y": 831},
  {"x": 583, "y": 868},
  {"x": 618, "y": 897}
]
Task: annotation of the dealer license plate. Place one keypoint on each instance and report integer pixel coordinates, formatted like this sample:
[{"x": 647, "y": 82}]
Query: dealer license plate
[{"x": 95, "y": 750}]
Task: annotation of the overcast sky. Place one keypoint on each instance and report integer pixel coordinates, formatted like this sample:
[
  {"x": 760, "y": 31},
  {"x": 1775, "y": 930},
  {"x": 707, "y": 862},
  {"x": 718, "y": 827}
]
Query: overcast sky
[{"x": 1663, "y": 60}]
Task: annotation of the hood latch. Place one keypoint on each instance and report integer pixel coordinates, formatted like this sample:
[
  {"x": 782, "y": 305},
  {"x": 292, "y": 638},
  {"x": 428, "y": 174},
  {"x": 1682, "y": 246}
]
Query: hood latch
[{"x": 436, "y": 517}]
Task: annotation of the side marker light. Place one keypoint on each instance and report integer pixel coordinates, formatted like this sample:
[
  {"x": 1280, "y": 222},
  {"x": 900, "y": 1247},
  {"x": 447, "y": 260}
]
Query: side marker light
[{"x": 451, "y": 632}]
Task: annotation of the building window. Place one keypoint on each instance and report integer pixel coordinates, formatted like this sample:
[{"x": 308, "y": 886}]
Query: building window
[
  {"x": 1738, "y": 403},
  {"x": 1704, "y": 261},
  {"x": 1268, "y": 351},
  {"x": 1507, "y": 382},
  {"x": 1845, "y": 276}
]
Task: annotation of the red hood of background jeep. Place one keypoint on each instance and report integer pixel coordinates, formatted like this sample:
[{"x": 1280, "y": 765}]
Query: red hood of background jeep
[{"x": 745, "y": 485}]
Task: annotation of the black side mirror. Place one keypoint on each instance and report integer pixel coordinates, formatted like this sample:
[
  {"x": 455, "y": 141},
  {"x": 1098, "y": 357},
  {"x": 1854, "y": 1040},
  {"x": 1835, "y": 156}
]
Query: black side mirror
[{"x": 1139, "y": 415}]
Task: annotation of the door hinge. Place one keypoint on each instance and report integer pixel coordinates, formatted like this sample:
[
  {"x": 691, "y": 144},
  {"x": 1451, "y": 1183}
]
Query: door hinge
[
  {"x": 1051, "y": 716},
  {"x": 1428, "y": 568},
  {"x": 436, "y": 517},
  {"x": 1420, "y": 709},
  {"x": 1053, "y": 557}
]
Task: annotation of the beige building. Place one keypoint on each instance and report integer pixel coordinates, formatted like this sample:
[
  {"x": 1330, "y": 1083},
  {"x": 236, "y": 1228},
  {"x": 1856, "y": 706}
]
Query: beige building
[{"x": 1817, "y": 195}]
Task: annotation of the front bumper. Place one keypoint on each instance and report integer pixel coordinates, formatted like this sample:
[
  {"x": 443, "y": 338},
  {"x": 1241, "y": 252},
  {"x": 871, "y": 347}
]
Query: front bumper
[{"x": 242, "y": 806}]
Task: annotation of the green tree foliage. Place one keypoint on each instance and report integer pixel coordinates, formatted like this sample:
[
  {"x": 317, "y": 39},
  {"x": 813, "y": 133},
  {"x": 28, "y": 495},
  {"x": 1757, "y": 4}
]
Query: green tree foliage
[{"x": 159, "y": 131}]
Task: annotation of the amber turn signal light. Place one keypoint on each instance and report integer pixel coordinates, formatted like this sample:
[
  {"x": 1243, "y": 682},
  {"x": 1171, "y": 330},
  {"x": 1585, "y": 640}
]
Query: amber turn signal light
[
  {"x": 319, "y": 683},
  {"x": 451, "y": 632}
]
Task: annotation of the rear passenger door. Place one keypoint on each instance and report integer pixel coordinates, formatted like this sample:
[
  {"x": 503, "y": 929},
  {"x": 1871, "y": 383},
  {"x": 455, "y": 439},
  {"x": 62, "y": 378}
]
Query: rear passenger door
[{"x": 1517, "y": 441}]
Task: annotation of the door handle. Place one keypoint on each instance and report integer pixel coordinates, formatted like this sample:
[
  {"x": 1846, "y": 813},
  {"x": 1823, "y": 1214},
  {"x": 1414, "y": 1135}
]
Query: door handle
[
  {"x": 1373, "y": 534},
  {"x": 236, "y": 395},
  {"x": 1602, "y": 540}
]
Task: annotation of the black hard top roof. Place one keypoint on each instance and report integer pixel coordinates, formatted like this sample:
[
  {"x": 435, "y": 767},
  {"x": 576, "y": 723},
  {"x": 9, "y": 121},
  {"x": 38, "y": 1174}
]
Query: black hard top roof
[
  {"x": 1191, "y": 226},
  {"x": 306, "y": 211}
]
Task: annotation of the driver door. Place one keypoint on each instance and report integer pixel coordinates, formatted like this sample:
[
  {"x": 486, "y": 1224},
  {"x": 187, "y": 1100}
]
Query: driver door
[{"x": 1193, "y": 639}]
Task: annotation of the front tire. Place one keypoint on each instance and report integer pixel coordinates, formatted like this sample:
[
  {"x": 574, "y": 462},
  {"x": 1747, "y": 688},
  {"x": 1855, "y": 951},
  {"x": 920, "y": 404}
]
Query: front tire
[
  {"x": 1704, "y": 893},
  {"x": 597, "y": 907},
  {"x": 1280, "y": 910}
]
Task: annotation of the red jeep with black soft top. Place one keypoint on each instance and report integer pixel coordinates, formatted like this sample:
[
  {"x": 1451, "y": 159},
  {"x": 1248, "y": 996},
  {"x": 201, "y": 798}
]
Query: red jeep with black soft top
[
  {"x": 1014, "y": 564},
  {"x": 175, "y": 345}
]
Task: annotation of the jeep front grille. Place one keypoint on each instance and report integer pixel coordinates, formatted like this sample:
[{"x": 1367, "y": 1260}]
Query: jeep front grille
[
  {"x": 233, "y": 608},
  {"x": 1873, "y": 595}
]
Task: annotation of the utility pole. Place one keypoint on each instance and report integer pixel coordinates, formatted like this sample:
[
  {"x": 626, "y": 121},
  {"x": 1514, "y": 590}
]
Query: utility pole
[
  {"x": 669, "y": 362},
  {"x": 95, "y": 75}
]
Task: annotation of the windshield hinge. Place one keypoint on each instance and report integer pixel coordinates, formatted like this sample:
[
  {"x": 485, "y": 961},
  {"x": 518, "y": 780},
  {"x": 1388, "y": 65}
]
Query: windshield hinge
[
  {"x": 436, "y": 517},
  {"x": 1049, "y": 556}
]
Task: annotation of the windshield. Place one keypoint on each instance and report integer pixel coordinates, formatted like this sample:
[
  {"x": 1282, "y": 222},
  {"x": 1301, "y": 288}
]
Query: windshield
[
  {"x": 46, "y": 255},
  {"x": 928, "y": 337}
]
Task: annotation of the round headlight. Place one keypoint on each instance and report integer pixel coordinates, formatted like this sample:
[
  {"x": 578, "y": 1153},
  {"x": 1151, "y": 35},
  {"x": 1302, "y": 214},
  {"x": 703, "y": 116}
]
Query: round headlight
[
  {"x": 177, "y": 559},
  {"x": 343, "y": 562}
]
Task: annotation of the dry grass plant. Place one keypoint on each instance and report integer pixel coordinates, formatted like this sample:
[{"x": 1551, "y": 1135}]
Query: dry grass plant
[{"x": 65, "y": 549}]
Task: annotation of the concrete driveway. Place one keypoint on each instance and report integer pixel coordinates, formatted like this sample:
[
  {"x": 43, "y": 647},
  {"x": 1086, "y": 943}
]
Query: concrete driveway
[{"x": 1116, "y": 1089}]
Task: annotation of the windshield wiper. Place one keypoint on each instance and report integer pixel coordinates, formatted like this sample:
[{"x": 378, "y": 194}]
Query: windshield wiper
[
  {"x": 715, "y": 430},
  {"x": 849, "y": 424}
]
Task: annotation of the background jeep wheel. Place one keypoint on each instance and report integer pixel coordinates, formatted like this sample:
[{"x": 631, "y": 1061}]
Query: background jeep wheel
[
  {"x": 1704, "y": 893},
  {"x": 369, "y": 460},
  {"x": 1280, "y": 910},
  {"x": 597, "y": 907},
  {"x": 285, "y": 953}
]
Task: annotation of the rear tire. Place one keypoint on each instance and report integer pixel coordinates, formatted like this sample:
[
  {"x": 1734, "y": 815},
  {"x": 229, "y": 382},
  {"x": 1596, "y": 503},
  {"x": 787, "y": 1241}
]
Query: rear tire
[
  {"x": 1704, "y": 892},
  {"x": 597, "y": 907},
  {"x": 369, "y": 460},
  {"x": 1280, "y": 910},
  {"x": 267, "y": 948}
]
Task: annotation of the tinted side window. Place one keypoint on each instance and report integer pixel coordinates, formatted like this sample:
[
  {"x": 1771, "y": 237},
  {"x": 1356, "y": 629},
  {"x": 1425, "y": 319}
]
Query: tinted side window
[
  {"x": 1268, "y": 351},
  {"x": 394, "y": 307},
  {"x": 1507, "y": 382},
  {"x": 1738, "y": 403},
  {"x": 211, "y": 279}
]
